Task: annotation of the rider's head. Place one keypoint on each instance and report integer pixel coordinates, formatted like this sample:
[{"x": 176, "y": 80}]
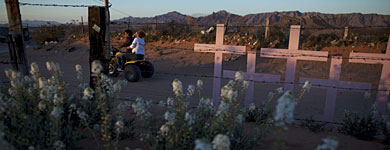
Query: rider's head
[
  {"x": 128, "y": 33},
  {"x": 140, "y": 34}
]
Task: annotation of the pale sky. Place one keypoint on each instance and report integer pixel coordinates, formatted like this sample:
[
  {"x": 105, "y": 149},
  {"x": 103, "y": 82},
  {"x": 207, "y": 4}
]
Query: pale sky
[{"x": 148, "y": 8}]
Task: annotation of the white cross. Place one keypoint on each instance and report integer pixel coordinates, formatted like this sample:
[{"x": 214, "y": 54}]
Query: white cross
[
  {"x": 251, "y": 76},
  {"x": 219, "y": 49},
  {"x": 292, "y": 54},
  {"x": 384, "y": 83},
  {"x": 331, "y": 83}
]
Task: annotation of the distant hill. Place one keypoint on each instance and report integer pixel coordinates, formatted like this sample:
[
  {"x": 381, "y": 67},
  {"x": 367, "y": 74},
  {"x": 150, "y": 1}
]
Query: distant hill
[
  {"x": 308, "y": 19},
  {"x": 34, "y": 23}
]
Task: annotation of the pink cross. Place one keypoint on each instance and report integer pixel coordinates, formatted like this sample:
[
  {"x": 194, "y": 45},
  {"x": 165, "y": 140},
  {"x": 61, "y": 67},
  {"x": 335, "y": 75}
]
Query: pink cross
[
  {"x": 219, "y": 49},
  {"x": 292, "y": 54},
  {"x": 251, "y": 76},
  {"x": 384, "y": 83},
  {"x": 331, "y": 83}
]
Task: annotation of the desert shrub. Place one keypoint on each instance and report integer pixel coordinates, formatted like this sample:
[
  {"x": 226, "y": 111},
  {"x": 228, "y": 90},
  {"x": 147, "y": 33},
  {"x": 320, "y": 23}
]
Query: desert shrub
[
  {"x": 363, "y": 127},
  {"x": 312, "y": 125},
  {"x": 42, "y": 114},
  {"x": 182, "y": 125},
  {"x": 261, "y": 115},
  {"x": 317, "y": 42}
]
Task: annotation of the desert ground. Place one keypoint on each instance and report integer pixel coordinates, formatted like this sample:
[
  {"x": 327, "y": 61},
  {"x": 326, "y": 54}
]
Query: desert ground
[{"x": 178, "y": 60}]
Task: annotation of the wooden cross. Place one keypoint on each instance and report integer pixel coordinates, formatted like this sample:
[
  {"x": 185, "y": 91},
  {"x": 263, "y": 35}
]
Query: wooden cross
[
  {"x": 219, "y": 49},
  {"x": 384, "y": 83},
  {"x": 251, "y": 76},
  {"x": 331, "y": 84},
  {"x": 292, "y": 54}
]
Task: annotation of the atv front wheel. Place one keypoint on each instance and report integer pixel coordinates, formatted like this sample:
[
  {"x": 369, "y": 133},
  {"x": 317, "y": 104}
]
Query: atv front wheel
[{"x": 132, "y": 73}]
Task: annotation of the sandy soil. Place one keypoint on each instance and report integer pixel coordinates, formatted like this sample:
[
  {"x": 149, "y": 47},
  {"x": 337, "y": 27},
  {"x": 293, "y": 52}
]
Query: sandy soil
[{"x": 179, "y": 58}]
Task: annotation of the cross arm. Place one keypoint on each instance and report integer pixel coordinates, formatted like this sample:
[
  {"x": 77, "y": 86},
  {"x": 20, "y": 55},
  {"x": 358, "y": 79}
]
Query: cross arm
[
  {"x": 298, "y": 54},
  {"x": 220, "y": 48}
]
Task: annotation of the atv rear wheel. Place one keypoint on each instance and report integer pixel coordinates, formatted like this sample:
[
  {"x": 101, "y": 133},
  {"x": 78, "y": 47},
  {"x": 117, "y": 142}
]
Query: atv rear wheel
[
  {"x": 113, "y": 69},
  {"x": 132, "y": 73},
  {"x": 147, "y": 69}
]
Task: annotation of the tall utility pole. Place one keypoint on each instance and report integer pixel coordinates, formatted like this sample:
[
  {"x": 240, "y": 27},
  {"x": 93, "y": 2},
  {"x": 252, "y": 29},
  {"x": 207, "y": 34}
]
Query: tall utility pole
[
  {"x": 128, "y": 24},
  {"x": 106, "y": 5},
  {"x": 16, "y": 37},
  {"x": 82, "y": 25}
]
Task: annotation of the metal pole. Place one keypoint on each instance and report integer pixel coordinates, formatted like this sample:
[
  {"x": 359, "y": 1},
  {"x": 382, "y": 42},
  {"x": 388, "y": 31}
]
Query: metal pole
[{"x": 106, "y": 5}]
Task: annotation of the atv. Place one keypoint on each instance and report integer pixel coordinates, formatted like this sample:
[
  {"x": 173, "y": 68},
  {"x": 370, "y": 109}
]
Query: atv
[{"x": 133, "y": 69}]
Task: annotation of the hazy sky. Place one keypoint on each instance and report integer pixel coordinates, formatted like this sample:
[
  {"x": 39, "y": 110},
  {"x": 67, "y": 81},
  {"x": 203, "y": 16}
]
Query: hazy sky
[{"x": 147, "y": 8}]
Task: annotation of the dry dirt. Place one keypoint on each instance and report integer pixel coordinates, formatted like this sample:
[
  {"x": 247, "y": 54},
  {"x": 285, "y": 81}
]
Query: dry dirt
[{"x": 179, "y": 58}]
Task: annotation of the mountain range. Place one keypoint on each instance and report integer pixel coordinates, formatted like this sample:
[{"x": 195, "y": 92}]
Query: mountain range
[{"x": 307, "y": 19}]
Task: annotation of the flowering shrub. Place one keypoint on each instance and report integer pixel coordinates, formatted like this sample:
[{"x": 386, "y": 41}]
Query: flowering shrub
[
  {"x": 182, "y": 126},
  {"x": 329, "y": 144},
  {"x": 363, "y": 127},
  {"x": 42, "y": 114}
]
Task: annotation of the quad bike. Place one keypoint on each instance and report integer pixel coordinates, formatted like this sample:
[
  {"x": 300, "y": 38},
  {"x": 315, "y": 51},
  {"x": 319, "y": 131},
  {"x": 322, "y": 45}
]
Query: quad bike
[{"x": 133, "y": 69}]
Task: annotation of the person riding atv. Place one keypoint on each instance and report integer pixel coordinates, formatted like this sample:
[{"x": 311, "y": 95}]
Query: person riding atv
[
  {"x": 124, "y": 48},
  {"x": 133, "y": 64}
]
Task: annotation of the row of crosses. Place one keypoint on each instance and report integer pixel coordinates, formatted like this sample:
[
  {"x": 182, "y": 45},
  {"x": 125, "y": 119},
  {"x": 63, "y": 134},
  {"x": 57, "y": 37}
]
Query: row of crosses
[{"x": 293, "y": 54}]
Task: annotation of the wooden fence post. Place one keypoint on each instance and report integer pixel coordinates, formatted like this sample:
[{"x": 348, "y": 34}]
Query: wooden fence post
[
  {"x": 266, "y": 34},
  {"x": 345, "y": 33},
  {"x": 97, "y": 34},
  {"x": 16, "y": 37}
]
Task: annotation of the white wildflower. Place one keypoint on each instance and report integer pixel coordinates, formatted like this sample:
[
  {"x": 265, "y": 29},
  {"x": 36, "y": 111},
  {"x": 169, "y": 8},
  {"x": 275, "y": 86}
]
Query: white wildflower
[
  {"x": 12, "y": 91},
  {"x": 15, "y": 75},
  {"x": 307, "y": 86},
  {"x": 285, "y": 110},
  {"x": 239, "y": 76},
  {"x": 221, "y": 142},
  {"x": 119, "y": 125},
  {"x": 96, "y": 67},
  {"x": 367, "y": 95},
  {"x": 245, "y": 84},
  {"x": 329, "y": 144},
  {"x": 280, "y": 90},
  {"x": 177, "y": 87},
  {"x": 162, "y": 104},
  {"x": 139, "y": 107},
  {"x": 79, "y": 68},
  {"x": 189, "y": 118},
  {"x": 229, "y": 93},
  {"x": 252, "y": 107},
  {"x": 388, "y": 105},
  {"x": 223, "y": 108},
  {"x": 82, "y": 115},
  {"x": 206, "y": 103},
  {"x": 58, "y": 99},
  {"x": 191, "y": 90},
  {"x": 199, "y": 84},
  {"x": 231, "y": 83},
  {"x": 240, "y": 118},
  {"x": 79, "y": 72},
  {"x": 42, "y": 106},
  {"x": 170, "y": 102},
  {"x": 271, "y": 95},
  {"x": 49, "y": 66},
  {"x": 42, "y": 82},
  {"x": 59, "y": 145},
  {"x": 34, "y": 68},
  {"x": 164, "y": 130},
  {"x": 170, "y": 117},
  {"x": 31, "y": 148},
  {"x": 200, "y": 145},
  {"x": 72, "y": 106},
  {"x": 374, "y": 108},
  {"x": 88, "y": 93}
]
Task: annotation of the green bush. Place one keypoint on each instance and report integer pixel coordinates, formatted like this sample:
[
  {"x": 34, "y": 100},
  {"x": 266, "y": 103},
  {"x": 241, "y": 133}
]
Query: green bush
[{"x": 363, "y": 127}]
